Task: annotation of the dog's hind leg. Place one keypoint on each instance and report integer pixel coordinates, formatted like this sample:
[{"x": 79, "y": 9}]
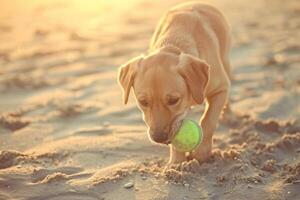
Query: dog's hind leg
[
  {"x": 225, "y": 57},
  {"x": 227, "y": 67}
]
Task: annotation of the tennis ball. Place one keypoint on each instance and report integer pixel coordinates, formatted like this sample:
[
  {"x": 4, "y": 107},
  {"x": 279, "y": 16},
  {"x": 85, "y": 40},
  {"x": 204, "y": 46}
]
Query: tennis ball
[{"x": 188, "y": 136}]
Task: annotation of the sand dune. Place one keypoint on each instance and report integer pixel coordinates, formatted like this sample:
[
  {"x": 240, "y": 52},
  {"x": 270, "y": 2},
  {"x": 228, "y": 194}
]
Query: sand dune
[{"x": 64, "y": 133}]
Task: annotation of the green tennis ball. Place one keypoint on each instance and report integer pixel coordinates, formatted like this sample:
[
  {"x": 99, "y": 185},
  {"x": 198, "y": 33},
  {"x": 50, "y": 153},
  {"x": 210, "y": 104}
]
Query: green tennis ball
[{"x": 188, "y": 136}]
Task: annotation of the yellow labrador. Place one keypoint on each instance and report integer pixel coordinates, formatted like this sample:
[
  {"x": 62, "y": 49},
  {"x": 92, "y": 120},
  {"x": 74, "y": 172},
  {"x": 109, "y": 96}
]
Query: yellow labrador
[{"x": 188, "y": 62}]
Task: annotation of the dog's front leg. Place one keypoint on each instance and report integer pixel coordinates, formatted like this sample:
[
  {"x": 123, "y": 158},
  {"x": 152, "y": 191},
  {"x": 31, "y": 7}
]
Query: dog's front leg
[
  {"x": 176, "y": 156},
  {"x": 209, "y": 121}
]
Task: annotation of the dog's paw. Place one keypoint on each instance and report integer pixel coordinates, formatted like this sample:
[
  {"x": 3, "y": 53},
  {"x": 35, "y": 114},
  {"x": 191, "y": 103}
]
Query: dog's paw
[{"x": 202, "y": 153}]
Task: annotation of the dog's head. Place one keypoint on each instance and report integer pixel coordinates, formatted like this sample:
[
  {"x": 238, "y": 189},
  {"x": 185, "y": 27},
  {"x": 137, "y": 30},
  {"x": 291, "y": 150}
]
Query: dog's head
[{"x": 165, "y": 83}]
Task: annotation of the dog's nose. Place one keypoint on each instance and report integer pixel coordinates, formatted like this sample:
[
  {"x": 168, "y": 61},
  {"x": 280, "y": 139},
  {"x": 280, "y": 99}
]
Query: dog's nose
[{"x": 159, "y": 137}]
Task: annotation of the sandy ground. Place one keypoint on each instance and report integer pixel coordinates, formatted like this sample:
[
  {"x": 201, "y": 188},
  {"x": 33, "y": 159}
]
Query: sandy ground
[{"x": 64, "y": 133}]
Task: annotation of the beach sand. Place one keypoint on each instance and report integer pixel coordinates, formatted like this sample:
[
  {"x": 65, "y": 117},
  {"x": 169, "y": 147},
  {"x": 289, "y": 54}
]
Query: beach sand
[{"x": 65, "y": 133}]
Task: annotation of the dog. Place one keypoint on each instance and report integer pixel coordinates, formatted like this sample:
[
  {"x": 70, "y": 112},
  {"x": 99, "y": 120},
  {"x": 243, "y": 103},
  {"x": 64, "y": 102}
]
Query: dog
[{"x": 187, "y": 64}]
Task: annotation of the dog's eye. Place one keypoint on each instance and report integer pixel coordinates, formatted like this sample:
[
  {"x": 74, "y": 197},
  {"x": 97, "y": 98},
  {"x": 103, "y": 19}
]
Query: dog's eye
[
  {"x": 173, "y": 101},
  {"x": 143, "y": 102}
]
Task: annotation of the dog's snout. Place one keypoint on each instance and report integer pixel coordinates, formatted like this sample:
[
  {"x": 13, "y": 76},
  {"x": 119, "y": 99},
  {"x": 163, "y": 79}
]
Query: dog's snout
[{"x": 159, "y": 137}]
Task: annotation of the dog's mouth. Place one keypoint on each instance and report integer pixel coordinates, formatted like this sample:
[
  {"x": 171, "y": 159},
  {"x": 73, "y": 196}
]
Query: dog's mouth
[
  {"x": 172, "y": 131},
  {"x": 175, "y": 127}
]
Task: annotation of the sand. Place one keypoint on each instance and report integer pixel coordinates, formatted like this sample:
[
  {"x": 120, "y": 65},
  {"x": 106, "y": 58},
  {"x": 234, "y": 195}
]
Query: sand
[{"x": 65, "y": 134}]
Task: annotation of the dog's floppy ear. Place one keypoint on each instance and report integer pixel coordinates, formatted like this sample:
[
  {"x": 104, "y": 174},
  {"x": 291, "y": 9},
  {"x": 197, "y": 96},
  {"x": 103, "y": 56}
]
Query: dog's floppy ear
[
  {"x": 196, "y": 75},
  {"x": 126, "y": 76}
]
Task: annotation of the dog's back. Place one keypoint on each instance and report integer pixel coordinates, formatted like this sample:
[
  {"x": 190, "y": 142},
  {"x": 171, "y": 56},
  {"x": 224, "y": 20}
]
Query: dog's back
[
  {"x": 187, "y": 22},
  {"x": 197, "y": 29}
]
